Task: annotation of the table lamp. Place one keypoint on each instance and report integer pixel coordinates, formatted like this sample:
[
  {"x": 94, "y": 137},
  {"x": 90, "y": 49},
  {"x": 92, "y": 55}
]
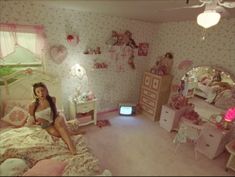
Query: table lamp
[{"x": 229, "y": 117}]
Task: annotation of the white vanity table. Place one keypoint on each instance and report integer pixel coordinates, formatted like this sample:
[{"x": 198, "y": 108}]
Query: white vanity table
[
  {"x": 83, "y": 107},
  {"x": 212, "y": 140}
]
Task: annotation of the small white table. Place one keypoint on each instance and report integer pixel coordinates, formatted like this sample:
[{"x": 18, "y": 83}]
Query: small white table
[{"x": 83, "y": 107}]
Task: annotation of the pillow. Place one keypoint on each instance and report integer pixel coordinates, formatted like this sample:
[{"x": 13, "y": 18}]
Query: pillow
[
  {"x": 17, "y": 116},
  {"x": 47, "y": 167},
  {"x": 13, "y": 167},
  {"x": 10, "y": 104}
]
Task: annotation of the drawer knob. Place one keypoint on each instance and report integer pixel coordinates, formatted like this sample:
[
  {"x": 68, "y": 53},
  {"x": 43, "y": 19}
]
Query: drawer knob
[
  {"x": 207, "y": 145},
  {"x": 165, "y": 120},
  {"x": 166, "y": 111}
]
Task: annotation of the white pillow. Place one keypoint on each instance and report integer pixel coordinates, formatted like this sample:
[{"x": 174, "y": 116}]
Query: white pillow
[
  {"x": 13, "y": 167},
  {"x": 17, "y": 116}
]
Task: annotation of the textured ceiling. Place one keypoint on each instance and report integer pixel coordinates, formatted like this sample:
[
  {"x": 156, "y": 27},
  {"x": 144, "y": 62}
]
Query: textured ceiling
[{"x": 144, "y": 10}]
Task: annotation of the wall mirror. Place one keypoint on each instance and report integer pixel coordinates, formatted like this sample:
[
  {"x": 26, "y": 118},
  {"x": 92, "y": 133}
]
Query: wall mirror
[{"x": 213, "y": 88}]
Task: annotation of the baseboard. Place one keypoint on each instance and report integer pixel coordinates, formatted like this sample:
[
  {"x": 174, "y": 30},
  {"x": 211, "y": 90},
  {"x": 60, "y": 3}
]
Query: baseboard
[{"x": 107, "y": 111}]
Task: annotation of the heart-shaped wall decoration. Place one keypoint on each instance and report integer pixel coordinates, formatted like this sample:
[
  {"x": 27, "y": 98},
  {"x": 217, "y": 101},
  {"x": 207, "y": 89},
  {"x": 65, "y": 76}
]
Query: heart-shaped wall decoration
[{"x": 58, "y": 53}]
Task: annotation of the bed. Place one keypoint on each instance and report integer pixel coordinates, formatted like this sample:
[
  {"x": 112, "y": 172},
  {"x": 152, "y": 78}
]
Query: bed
[
  {"x": 30, "y": 150},
  {"x": 211, "y": 91}
]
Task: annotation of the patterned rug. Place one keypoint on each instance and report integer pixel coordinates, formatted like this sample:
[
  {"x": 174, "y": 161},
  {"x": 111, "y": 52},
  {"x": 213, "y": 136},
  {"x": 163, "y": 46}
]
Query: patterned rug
[{"x": 103, "y": 123}]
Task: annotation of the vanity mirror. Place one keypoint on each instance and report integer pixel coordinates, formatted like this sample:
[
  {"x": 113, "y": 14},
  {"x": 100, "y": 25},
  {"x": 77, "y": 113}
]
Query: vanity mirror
[{"x": 211, "y": 84}]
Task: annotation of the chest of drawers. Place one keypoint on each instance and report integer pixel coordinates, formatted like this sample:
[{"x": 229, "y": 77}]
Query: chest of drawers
[{"x": 154, "y": 93}]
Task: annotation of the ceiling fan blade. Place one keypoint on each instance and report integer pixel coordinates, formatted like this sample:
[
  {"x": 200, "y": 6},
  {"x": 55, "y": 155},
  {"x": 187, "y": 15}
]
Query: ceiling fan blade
[
  {"x": 223, "y": 12},
  {"x": 227, "y": 4},
  {"x": 186, "y": 7}
]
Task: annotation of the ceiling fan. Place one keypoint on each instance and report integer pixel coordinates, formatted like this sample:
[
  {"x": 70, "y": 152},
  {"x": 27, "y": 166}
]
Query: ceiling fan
[
  {"x": 214, "y": 9},
  {"x": 212, "y": 3}
]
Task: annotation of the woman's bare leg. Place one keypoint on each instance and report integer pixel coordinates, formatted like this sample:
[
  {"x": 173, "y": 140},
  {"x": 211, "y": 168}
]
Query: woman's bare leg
[
  {"x": 52, "y": 131},
  {"x": 61, "y": 127}
]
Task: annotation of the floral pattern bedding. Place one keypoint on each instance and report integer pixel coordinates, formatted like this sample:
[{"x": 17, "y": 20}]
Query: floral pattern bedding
[{"x": 33, "y": 144}]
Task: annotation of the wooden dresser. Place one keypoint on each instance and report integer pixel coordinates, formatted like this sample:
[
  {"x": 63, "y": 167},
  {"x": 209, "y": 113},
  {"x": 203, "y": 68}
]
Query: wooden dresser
[{"x": 155, "y": 91}]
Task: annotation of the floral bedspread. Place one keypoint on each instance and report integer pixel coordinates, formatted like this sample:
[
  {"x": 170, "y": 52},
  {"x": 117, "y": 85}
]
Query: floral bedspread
[{"x": 33, "y": 144}]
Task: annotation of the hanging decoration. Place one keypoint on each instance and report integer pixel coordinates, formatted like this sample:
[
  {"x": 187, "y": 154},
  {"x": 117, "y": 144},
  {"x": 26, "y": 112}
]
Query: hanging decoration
[
  {"x": 122, "y": 47},
  {"x": 58, "y": 53},
  {"x": 73, "y": 39}
]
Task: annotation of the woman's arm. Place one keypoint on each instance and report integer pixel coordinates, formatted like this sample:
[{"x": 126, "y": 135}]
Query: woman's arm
[{"x": 30, "y": 120}]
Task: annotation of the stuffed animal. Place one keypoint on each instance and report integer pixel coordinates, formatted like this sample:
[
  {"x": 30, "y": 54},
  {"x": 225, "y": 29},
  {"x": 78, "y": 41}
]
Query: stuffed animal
[
  {"x": 178, "y": 101},
  {"x": 163, "y": 65}
]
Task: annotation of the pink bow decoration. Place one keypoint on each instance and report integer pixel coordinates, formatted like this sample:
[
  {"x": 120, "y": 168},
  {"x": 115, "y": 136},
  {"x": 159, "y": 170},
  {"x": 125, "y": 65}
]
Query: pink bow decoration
[{"x": 185, "y": 64}]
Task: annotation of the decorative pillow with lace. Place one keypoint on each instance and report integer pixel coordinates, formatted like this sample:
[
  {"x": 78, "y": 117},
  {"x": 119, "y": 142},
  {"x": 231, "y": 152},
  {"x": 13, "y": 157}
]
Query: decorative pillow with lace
[
  {"x": 17, "y": 116},
  {"x": 10, "y": 104}
]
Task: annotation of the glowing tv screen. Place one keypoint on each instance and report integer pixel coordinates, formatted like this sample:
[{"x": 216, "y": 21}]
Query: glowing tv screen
[{"x": 126, "y": 109}]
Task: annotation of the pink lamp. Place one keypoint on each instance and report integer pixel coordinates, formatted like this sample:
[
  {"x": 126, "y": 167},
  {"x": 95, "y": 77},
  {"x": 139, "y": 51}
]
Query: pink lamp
[{"x": 229, "y": 116}]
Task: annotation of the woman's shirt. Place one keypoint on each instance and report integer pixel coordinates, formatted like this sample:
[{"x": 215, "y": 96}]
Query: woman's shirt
[{"x": 45, "y": 114}]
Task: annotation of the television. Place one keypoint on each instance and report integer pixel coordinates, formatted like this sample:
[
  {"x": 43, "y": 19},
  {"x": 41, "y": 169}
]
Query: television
[{"x": 127, "y": 109}]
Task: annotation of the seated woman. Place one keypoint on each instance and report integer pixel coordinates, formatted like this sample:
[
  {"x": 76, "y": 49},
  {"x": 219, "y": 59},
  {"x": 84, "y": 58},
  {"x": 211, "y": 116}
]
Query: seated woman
[{"x": 43, "y": 112}]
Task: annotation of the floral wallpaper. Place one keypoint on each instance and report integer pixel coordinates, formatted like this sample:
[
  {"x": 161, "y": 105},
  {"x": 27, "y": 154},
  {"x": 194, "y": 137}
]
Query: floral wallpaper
[
  {"x": 188, "y": 42},
  {"x": 112, "y": 85}
]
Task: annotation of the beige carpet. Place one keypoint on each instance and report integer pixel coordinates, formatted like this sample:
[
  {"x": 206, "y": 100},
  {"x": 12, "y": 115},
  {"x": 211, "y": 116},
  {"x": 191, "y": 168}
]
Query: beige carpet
[{"x": 137, "y": 146}]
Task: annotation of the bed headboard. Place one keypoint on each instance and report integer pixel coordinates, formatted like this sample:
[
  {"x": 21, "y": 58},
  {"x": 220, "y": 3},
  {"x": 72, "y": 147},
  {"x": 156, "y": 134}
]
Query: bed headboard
[{"x": 21, "y": 87}]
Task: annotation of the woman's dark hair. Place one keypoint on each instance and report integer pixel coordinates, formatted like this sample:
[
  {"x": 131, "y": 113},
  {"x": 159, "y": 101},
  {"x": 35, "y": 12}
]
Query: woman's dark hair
[{"x": 48, "y": 97}]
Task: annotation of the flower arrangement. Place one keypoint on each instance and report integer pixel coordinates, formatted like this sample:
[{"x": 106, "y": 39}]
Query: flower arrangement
[{"x": 178, "y": 101}]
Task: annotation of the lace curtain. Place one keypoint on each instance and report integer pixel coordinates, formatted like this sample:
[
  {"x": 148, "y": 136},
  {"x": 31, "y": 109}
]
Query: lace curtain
[{"x": 30, "y": 37}]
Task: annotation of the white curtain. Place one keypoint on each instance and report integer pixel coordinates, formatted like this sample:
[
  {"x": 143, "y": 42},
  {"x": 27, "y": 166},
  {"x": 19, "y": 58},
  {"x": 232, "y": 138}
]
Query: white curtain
[{"x": 26, "y": 36}]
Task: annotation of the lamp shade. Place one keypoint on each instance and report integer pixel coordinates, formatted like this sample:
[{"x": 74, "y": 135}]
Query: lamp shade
[
  {"x": 230, "y": 115},
  {"x": 208, "y": 18}
]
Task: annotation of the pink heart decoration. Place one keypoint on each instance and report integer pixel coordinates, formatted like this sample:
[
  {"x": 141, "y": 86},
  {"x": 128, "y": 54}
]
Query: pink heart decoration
[{"x": 58, "y": 53}]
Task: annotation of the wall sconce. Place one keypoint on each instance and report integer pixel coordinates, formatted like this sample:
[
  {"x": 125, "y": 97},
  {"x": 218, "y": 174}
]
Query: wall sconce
[
  {"x": 208, "y": 18},
  {"x": 78, "y": 72}
]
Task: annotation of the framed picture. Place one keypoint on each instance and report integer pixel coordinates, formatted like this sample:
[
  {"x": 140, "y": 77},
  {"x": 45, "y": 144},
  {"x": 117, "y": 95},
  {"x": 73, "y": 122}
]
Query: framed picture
[{"x": 143, "y": 49}]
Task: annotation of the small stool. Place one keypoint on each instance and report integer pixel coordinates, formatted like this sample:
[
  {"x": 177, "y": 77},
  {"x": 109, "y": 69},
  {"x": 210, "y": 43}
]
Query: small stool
[{"x": 231, "y": 161}]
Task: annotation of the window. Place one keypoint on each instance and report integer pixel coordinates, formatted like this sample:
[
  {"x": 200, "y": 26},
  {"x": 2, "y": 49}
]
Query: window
[{"x": 21, "y": 47}]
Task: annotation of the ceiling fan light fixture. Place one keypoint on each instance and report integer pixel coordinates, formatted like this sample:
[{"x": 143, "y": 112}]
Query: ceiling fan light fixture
[{"x": 208, "y": 18}]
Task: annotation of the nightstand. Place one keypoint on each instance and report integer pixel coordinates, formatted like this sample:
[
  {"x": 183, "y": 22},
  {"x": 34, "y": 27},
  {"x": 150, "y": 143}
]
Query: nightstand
[
  {"x": 212, "y": 140},
  {"x": 85, "y": 107}
]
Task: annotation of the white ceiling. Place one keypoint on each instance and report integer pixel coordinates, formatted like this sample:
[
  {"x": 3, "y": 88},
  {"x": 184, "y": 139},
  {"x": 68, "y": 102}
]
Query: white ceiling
[{"x": 144, "y": 10}]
